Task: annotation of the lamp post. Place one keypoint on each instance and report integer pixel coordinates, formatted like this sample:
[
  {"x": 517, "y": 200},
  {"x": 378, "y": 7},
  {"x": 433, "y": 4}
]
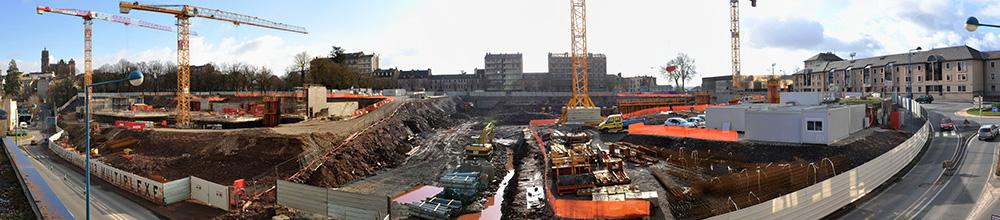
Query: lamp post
[
  {"x": 909, "y": 80},
  {"x": 972, "y": 24},
  {"x": 135, "y": 79}
]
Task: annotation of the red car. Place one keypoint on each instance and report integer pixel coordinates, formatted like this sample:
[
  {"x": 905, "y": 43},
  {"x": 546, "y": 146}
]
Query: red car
[
  {"x": 34, "y": 142},
  {"x": 947, "y": 124}
]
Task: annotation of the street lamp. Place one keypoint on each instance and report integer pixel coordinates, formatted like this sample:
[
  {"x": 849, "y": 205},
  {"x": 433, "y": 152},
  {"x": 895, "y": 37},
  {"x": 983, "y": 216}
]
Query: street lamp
[
  {"x": 909, "y": 79},
  {"x": 135, "y": 79},
  {"x": 972, "y": 24}
]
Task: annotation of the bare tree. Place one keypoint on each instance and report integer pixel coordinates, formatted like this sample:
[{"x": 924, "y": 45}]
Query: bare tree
[
  {"x": 301, "y": 64},
  {"x": 685, "y": 70}
]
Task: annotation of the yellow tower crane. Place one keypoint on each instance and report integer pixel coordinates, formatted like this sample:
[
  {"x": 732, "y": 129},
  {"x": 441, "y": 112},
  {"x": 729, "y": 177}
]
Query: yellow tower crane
[
  {"x": 183, "y": 14},
  {"x": 88, "y": 23},
  {"x": 734, "y": 29},
  {"x": 578, "y": 39}
]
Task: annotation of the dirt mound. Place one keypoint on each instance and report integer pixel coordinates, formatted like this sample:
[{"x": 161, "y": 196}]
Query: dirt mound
[
  {"x": 216, "y": 156},
  {"x": 224, "y": 156},
  {"x": 384, "y": 146}
]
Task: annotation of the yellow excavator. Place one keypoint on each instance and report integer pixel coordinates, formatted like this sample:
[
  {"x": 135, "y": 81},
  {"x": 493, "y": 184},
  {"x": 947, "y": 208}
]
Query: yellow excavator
[{"x": 483, "y": 147}]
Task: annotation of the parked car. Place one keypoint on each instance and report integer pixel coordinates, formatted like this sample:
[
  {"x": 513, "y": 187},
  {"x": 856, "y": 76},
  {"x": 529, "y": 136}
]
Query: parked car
[
  {"x": 34, "y": 142},
  {"x": 988, "y": 132},
  {"x": 677, "y": 121},
  {"x": 700, "y": 122},
  {"x": 702, "y": 116},
  {"x": 947, "y": 124},
  {"x": 925, "y": 99}
]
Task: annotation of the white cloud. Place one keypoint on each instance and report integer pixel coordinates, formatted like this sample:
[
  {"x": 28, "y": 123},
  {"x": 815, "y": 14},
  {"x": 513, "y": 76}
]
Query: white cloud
[
  {"x": 268, "y": 50},
  {"x": 450, "y": 36}
]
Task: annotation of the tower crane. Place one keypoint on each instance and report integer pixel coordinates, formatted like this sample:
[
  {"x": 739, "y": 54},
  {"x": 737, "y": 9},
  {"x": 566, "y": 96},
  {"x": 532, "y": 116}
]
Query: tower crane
[
  {"x": 183, "y": 13},
  {"x": 578, "y": 56},
  {"x": 88, "y": 23},
  {"x": 734, "y": 28}
]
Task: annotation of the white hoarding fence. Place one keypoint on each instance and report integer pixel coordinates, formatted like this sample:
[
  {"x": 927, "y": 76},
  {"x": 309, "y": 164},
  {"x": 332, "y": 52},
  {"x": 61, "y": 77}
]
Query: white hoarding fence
[
  {"x": 138, "y": 185},
  {"x": 209, "y": 193},
  {"x": 203, "y": 191},
  {"x": 332, "y": 203}
]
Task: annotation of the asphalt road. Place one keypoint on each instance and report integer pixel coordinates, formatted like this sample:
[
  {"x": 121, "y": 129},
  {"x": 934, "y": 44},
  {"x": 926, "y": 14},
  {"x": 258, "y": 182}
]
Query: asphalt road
[
  {"x": 68, "y": 184},
  {"x": 924, "y": 193}
]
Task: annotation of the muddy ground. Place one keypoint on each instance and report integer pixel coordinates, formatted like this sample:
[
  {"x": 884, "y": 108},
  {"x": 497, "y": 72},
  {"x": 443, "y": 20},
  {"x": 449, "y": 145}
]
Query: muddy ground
[
  {"x": 525, "y": 196},
  {"x": 13, "y": 203},
  {"x": 222, "y": 156}
]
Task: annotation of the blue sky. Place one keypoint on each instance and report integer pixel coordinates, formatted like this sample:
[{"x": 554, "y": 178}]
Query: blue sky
[{"x": 450, "y": 36}]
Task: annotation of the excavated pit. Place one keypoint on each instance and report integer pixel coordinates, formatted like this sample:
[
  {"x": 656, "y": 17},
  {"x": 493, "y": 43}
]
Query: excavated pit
[{"x": 225, "y": 156}]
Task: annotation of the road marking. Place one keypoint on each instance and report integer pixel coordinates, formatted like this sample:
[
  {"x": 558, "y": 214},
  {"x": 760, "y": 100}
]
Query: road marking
[{"x": 958, "y": 163}]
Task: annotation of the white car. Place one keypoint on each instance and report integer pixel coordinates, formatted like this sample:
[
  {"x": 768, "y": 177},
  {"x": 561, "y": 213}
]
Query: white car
[
  {"x": 676, "y": 121},
  {"x": 700, "y": 122}
]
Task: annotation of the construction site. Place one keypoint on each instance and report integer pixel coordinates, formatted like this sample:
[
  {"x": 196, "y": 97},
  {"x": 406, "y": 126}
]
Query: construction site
[{"x": 396, "y": 154}]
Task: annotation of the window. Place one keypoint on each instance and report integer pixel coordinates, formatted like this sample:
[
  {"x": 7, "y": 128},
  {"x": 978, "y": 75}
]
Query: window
[
  {"x": 993, "y": 64},
  {"x": 959, "y": 66},
  {"x": 918, "y": 68},
  {"x": 918, "y": 80},
  {"x": 949, "y": 77},
  {"x": 949, "y": 88},
  {"x": 814, "y": 125},
  {"x": 993, "y": 87},
  {"x": 947, "y": 66}
]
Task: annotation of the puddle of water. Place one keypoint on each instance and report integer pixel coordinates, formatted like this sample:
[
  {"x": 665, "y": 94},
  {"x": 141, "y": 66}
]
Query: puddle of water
[
  {"x": 418, "y": 194},
  {"x": 494, "y": 203}
]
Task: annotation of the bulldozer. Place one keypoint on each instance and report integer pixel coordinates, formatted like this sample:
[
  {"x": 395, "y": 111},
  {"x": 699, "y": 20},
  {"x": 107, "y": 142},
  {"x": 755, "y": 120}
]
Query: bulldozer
[{"x": 483, "y": 146}]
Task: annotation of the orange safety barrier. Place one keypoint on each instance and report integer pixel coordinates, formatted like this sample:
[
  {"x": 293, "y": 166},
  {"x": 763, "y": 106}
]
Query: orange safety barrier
[
  {"x": 677, "y": 131},
  {"x": 365, "y": 110},
  {"x": 653, "y": 95},
  {"x": 666, "y": 108},
  {"x": 586, "y": 209},
  {"x": 299, "y": 94}
]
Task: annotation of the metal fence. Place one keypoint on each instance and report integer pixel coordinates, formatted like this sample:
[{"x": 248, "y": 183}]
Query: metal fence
[
  {"x": 332, "y": 203},
  {"x": 821, "y": 199}
]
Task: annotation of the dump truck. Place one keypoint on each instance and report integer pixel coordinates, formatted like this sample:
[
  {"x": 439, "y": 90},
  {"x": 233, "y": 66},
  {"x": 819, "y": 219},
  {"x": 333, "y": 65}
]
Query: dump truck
[
  {"x": 483, "y": 147},
  {"x": 618, "y": 123}
]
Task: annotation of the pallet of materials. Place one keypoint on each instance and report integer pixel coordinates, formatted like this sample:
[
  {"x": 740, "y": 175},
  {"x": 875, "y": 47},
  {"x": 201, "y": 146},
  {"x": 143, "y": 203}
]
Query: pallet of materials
[
  {"x": 569, "y": 184},
  {"x": 610, "y": 178},
  {"x": 465, "y": 184},
  {"x": 434, "y": 208}
]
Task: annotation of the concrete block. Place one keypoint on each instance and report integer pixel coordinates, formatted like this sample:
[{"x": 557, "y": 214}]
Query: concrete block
[{"x": 583, "y": 115}]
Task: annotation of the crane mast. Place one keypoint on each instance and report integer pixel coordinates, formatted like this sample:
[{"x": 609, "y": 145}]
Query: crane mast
[
  {"x": 734, "y": 29},
  {"x": 183, "y": 13}
]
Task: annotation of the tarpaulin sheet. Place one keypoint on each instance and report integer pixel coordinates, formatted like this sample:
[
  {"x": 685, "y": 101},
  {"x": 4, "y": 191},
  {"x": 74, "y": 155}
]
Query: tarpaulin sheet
[
  {"x": 666, "y": 108},
  {"x": 677, "y": 131},
  {"x": 587, "y": 209}
]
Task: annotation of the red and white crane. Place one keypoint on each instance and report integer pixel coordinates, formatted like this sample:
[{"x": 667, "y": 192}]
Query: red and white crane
[{"x": 88, "y": 23}]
